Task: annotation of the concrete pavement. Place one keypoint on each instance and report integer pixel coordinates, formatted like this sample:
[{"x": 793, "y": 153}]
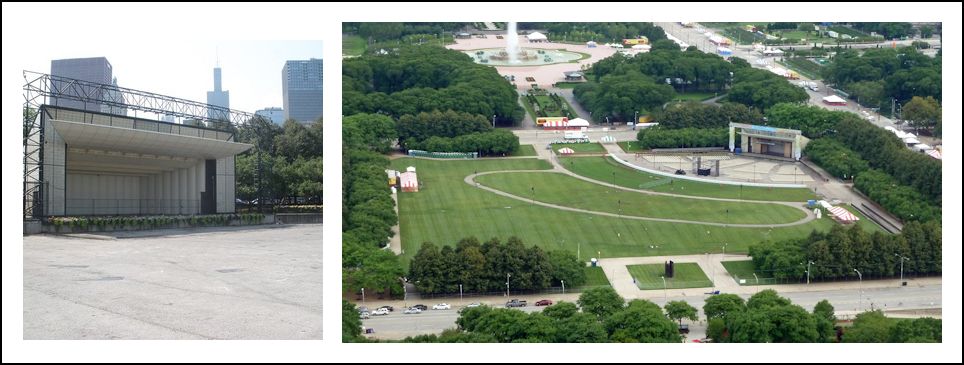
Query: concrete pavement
[{"x": 251, "y": 283}]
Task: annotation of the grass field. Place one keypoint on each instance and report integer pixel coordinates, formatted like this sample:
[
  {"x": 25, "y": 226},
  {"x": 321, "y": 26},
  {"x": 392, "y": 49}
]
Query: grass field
[
  {"x": 695, "y": 96},
  {"x": 594, "y": 147},
  {"x": 564, "y": 190},
  {"x": 804, "y": 66},
  {"x": 595, "y": 277},
  {"x": 685, "y": 275},
  {"x": 447, "y": 209},
  {"x": 744, "y": 270},
  {"x": 524, "y": 150},
  {"x": 567, "y": 85},
  {"x": 352, "y": 45},
  {"x": 602, "y": 168},
  {"x": 630, "y": 146}
]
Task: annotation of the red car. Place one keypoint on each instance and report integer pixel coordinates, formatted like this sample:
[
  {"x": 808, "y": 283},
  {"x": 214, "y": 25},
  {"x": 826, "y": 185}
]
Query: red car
[{"x": 543, "y": 302}]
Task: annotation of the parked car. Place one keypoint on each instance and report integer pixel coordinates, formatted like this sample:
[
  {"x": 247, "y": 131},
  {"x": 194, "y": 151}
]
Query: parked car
[
  {"x": 515, "y": 303},
  {"x": 387, "y": 307},
  {"x": 364, "y": 315},
  {"x": 543, "y": 302},
  {"x": 442, "y": 306},
  {"x": 473, "y": 305},
  {"x": 362, "y": 309},
  {"x": 412, "y": 310},
  {"x": 421, "y": 307},
  {"x": 684, "y": 328},
  {"x": 380, "y": 312}
]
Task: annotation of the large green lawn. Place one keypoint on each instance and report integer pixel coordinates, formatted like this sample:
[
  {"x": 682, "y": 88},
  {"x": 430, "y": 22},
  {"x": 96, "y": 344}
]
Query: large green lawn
[
  {"x": 447, "y": 209},
  {"x": 593, "y": 147},
  {"x": 602, "y": 168},
  {"x": 564, "y": 190},
  {"x": 685, "y": 275},
  {"x": 352, "y": 45},
  {"x": 524, "y": 150}
]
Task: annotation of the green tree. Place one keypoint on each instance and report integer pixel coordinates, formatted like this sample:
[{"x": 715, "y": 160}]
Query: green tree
[
  {"x": 601, "y": 302},
  {"x": 869, "y": 327},
  {"x": 678, "y": 309},
  {"x": 923, "y": 113},
  {"x": 350, "y": 323},
  {"x": 369, "y": 131},
  {"x": 719, "y": 306},
  {"x": 565, "y": 266},
  {"x": 823, "y": 313},
  {"x": 297, "y": 140},
  {"x": 716, "y": 329},
  {"x": 561, "y": 310},
  {"x": 641, "y": 321}
]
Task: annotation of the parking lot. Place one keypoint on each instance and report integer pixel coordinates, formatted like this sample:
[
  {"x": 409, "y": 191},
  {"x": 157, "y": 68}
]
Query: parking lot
[{"x": 226, "y": 283}]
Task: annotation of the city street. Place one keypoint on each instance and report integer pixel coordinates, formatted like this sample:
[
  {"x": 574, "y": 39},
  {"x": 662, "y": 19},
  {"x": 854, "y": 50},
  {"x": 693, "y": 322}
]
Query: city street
[{"x": 216, "y": 283}]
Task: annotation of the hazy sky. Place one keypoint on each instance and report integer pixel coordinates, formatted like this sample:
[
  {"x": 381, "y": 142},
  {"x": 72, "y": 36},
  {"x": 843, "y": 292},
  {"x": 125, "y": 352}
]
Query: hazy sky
[{"x": 250, "y": 70}]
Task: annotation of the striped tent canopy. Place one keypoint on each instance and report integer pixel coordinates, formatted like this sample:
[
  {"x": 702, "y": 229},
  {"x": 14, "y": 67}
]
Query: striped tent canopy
[
  {"x": 842, "y": 215},
  {"x": 566, "y": 151},
  {"x": 608, "y": 139},
  {"x": 934, "y": 153},
  {"x": 556, "y": 124}
]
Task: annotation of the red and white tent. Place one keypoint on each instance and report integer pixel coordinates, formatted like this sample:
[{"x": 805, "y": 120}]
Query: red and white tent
[
  {"x": 842, "y": 215},
  {"x": 566, "y": 151},
  {"x": 409, "y": 182},
  {"x": 934, "y": 153}
]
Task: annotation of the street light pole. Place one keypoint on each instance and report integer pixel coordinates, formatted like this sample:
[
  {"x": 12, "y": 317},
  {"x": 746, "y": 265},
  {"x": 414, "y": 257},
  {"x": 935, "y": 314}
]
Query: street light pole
[
  {"x": 860, "y": 288},
  {"x": 808, "y": 271},
  {"x": 507, "y": 276},
  {"x": 563, "y": 286},
  {"x": 664, "y": 289},
  {"x": 363, "y": 295},
  {"x": 902, "y": 258},
  {"x": 460, "y": 294}
]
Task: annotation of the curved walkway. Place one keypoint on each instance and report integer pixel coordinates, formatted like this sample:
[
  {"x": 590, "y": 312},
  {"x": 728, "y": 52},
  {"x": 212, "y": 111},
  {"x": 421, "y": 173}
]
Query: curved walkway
[{"x": 470, "y": 179}]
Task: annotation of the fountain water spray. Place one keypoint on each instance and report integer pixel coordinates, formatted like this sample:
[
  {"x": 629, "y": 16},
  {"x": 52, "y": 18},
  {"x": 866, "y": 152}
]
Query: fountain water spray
[{"x": 512, "y": 43}]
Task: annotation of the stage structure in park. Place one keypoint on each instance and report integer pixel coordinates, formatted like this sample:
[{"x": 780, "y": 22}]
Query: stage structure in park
[
  {"x": 767, "y": 141},
  {"x": 80, "y": 162}
]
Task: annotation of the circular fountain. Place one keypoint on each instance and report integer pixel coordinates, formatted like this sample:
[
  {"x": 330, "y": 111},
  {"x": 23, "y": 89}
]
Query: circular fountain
[{"x": 513, "y": 55}]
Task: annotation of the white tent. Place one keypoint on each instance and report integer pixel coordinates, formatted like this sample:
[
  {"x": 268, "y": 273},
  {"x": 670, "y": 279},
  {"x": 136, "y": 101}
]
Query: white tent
[
  {"x": 642, "y": 46},
  {"x": 911, "y": 140},
  {"x": 608, "y": 139},
  {"x": 834, "y": 99},
  {"x": 536, "y": 37},
  {"x": 922, "y": 147},
  {"x": 934, "y": 153},
  {"x": 566, "y": 151},
  {"x": 578, "y": 122}
]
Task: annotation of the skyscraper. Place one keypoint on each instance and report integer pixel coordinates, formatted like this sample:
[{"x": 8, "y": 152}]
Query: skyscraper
[
  {"x": 301, "y": 85},
  {"x": 218, "y": 97},
  {"x": 93, "y": 69}
]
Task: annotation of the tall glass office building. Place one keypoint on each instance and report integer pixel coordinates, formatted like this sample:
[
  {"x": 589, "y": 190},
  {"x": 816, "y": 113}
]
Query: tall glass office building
[{"x": 301, "y": 84}]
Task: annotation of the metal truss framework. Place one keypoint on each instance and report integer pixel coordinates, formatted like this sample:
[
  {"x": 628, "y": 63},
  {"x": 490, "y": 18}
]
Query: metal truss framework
[{"x": 41, "y": 89}]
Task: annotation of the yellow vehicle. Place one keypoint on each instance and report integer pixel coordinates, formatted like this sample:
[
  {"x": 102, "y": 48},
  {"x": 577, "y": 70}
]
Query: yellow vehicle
[
  {"x": 542, "y": 120},
  {"x": 635, "y": 41}
]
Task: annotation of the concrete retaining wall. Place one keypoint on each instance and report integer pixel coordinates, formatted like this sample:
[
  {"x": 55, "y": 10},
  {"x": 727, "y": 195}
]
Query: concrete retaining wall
[{"x": 684, "y": 177}]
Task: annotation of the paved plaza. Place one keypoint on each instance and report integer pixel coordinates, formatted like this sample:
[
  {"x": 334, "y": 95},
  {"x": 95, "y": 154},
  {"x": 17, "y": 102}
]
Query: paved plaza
[{"x": 221, "y": 283}]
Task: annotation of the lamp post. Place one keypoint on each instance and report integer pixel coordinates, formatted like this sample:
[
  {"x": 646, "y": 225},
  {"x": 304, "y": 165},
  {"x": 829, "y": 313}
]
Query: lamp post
[
  {"x": 614, "y": 179},
  {"x": 493, "y": 121},
  {"x": 533, "y": 201},
  {"x": 363, "y": 295},
  {"x": 507, "y": 276},
  {"x": 902, "y": 258},
  {"x": 404, "y": 295},
  {"x": 808, "y": 271},
  {"x": 460, "y": 294},
  {"x": 664, "y": 289},
  {"x": 860, "y": 286},
  {"x": 563, "y": 286}
]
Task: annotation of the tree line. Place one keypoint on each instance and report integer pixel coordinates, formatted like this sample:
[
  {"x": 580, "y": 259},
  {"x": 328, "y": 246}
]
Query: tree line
[
  {"x": 599, "y": 315},
  {"x": 483, "y": 267},
  {"x": 396, "y": 30},
  {"x": 766, "y": 318},
  {"x": 693, "y": 114},
  {"x": 414, "y": 79},
  {"x": 622, "y": 87},
  {"x": 835, "y": 254},
  {"x": 367, "y": 218},
  {"x": 659, "y": 137}
]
